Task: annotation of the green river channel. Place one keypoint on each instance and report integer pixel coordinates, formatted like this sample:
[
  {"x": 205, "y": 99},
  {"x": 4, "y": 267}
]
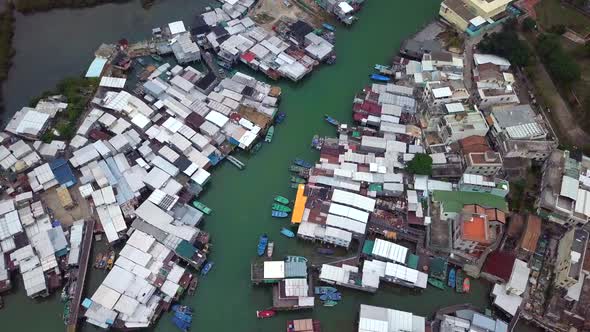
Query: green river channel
[{"x": 61, "y": 43}]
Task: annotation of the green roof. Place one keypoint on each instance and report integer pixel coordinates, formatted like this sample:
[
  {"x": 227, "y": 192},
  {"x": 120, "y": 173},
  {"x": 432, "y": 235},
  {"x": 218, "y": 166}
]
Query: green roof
[
  {"x": 368, "y": 247},
  {"x": 412, "y": 261},
  {"x": 185, "y": 249},
  {"x": 453, "y": 201}
]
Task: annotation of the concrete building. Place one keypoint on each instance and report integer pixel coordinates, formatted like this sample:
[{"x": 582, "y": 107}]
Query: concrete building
[
  {"x": 472, "y": 15},
  {"x": 474, "y": 230},
  {"x": 373, "y": 318},
  {"x": 439, "y": 93},
  {"x": 481, "y": 183},
  {"x": 454, "y": 127},
  {"x": 483, "y": 163},
  {"x": 185, "y": 49},
  {"x": 570, "y": 258}
]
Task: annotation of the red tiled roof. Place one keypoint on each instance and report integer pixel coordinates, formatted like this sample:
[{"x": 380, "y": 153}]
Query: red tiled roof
[
  {"x": 474, "y": 144},
  {"x": 248, "y": 56},
  {"x": 475, "y": 229},
  {"x": 531, "y": 233},
  {"x": 499, "y": 264}
]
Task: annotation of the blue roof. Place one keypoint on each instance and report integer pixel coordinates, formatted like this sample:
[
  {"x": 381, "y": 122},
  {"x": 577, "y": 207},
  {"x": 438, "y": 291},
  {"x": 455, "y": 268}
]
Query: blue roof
[
  {"x": 484, "y": 322},
  {"x": 96, "y": 67},
  {"x": 63, "y": 172},
  {"x": 86, "y": 303}
]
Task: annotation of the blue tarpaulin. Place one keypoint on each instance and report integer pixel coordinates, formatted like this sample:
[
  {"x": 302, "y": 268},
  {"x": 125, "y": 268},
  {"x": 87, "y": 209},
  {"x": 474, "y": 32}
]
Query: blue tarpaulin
[{"x": 63, "y": 172}]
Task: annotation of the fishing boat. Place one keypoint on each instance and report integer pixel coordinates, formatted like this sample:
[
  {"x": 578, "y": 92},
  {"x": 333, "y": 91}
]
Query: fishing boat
[
  {"x": 265, "y": 313},
  {"x": 331, "y": 59},
  {"x": 466, "y": 285},
  {"x": 287, "y": 232},
  {"x": 192, "y": 287},
  {"x": 281, "y": 199},
  {"x": 103, "y": 261},
  {"x": 459, "y": 277},
  {"x": 142, "y": 61},
  {"x": 280, "y": 117},
  {"x": 182, "y": 325},
  {"x": 181, "y": 308},
  {"x": 331, "y": 120},
  {"x": 328, "y": 27},
  {"x": 256, "y": 148},
  {"x": 206, "y": 268},
  {"x": 262, "y": 242},
  {"x": 451, "y": 281},
  {"x": 317, "y": 142},
  {"x": 98, "y": 259},
  {"x": 236, "y": 162},
  {"x": 331, "y": 296},
  {"x": 296, "y": 168},
  {"x": 111, "y": 260},
  {"x": 436, "y": 283},
  {"x": 380, "y": 78},
  {"x": 324, "y": 290},
  {"x": 157, "y": 57},
  {"x": 202, "y": 207},
  {"x": 281, "y": 208},
  {"x": 382, "y": 67},
  {"x": 270, "y": 249},
  {"x": 302, "y": 163},
  {"x": 66, "y": 313},
  {"x": 185, "y": 317},
  {"x": 279, "y": 214},
  {"x": 330, "y": 303},
  {"x": 297, "y": 179},
  {"x": 325, "y": 251},
  {"x": 269, "y": 134}
]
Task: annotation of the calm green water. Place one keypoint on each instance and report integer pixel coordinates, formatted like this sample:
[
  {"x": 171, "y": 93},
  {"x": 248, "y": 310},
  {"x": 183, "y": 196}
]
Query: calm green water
[{"x": 52, "y": 45}]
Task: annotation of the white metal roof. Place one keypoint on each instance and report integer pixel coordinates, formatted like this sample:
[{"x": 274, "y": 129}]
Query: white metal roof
[
  {"x": 274, "y": 270},
  {"x": 334, "y": 273},
  {"x": 490, "y": 58},
  {"x": 569, "y": 187},
  {"x": 346, "y": 223},
  {"x": 455, "y": 107},
  {"x": 176, "y": 27},
  {"x": 349, "y": 212},
  {"x": 352, "y": 199},
  {"x": 442, "y": 92},
  {"x": 296, "y": 287},
  {"x": 105, "y": 296},
  {"x": 112, "y": 82},
  {"x": 519, "y": 277},
  {"x": 345, "y": 7},
  {"x": 390, "y": 251}
]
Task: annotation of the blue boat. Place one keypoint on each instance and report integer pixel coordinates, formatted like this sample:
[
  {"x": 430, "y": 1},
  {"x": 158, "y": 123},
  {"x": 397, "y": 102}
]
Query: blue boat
[
  {"x": 280, "y": 117},
  {"x": 279, "y": 214},
  {"x": 325, "y": 251},
  {"x": 182, "y": 325},
  {"x": 181, "y": 308},
  {"x": 287, "y": 232},
  {"x": 380, "y": 78},
  {"x": 328, "y": 27},
  {"x": 206, "y": 268},
  {"x": 324, "y": 290},
  {"x": 302, "y": 163},
  {"x": 184, "y": 317},
  {"x": 331, "y": 297},
  {"x": 262, "y": 242},
  {"x": 451, "y": 281},
  {"x": 331, "y": 120}
]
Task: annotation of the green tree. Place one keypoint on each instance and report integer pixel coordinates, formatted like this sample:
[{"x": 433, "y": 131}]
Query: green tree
[
  {"x": 506, "y": 44},
  {"x": 561, "y": 66},
  {"x": 421, "y": 164}
]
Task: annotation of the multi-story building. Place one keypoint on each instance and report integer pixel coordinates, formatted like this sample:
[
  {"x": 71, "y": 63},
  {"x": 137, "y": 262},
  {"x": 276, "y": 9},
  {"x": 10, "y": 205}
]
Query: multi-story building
[
  {"x": 472, "y": 16},
  {"x": 483, "y": 163},
  {"x": 454, "y": 127},
  {"x": 570, "y": 258},
  {"x": 476, "y": 229},
  {"x": 487, "y": 184},
  {"x": 439, "y": 93}
]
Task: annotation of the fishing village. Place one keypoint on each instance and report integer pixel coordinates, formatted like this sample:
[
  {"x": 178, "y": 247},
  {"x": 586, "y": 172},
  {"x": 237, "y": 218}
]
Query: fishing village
[{"x": 413, "y": 192}]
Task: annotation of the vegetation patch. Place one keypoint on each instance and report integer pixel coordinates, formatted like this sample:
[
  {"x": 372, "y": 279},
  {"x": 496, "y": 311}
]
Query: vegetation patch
[
  {"x": 421, "y": 164},
  {"x": 6, "y": 50},
  {"x": 553, "y": 13},
  {"x": 31, "y": 6}
]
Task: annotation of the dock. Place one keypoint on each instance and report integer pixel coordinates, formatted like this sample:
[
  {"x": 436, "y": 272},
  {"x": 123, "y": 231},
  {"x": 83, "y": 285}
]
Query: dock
[
  {"x": 82, "y": 269},
  {"x": 236, "y": 162}
]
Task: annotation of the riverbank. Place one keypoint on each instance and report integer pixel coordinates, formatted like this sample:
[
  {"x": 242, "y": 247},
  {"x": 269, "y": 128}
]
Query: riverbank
[
  {"x": 35, "y": 6},
  {"x": 6, "y": 50}
]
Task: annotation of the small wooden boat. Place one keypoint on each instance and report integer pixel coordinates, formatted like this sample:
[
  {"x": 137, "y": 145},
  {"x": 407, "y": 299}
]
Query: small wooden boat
[
  {"x": 451, "y": 281},
  {"x": 98, "y": 259},
  {"x": 111, "y": 260},
  {"x": 279, "y": 214},
  {"x": 436, "y": 283},
  {"x": 207, "y": 268},
  {"x": 302, "y": 163},
  {"x": 202, "y": 207},
  {"x": 157, "y": 57},
  {"x": 324, "y": 290},
  {"x": 269, "y": 134},
  {"x": 192, "y": 287},
  {"x": 331, "y": 120},
  {"x": 459, "y": 281},
  {"x": 294, "y": 185},
  {"x": 236, "y": 162},
  {"x": 262, "y": 242},
  {"x": 466, "y": 285},
  {"x": 328, "y": 27},
  {"x": 287, "y": 232},
  {"x": 265, "y": 313},
  {"x": 331, "y": 296},
  {"x": 270, "y": 249},
  {"x": 297, "y": 179},
  {"x": 380, "y": 78},
  {"x": 281, "y": 199},
  {"x": 281, "y": 208},
  {"x": 103, "y": 261},
  {"x": 181, "y": 308},
  {"x": 296, "y": 169},
  {"x": 330, "y": 303},
  {"x": 256, "y": 148},
  {"x": 280, "y": 117},
  {"x": 381, "y": 67}
]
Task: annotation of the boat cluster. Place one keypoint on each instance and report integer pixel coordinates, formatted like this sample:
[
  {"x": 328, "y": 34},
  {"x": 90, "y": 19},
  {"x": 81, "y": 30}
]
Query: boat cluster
[
  {"x": 330, "y": 296},
  {"x": 183, "y": 317}
]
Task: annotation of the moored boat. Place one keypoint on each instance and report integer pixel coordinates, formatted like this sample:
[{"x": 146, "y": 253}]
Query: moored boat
[
  {"x": 181, "y": 308},
  {"x": 202, "y": 207},
  {"x": 281, "y": 208},
  {"x": 325, "y": 251},
  {"x": 331, "y": 296},
  {"x": 185, "y": 317},
  {"x": 330, "y": 303},
  {"x": 182, "y": 325},
  {"x": 296, "y": 168},
  {"x": 192, "y": 287},
  {"x": 294, "y": 185},
  {"x": 98, "y": 259},
  {"x": 206, "y": 268},
  {"x": 279, "y": 214},
  {"x": 269, "y": 134},
  {"x": 265, "y": 313},
  {"x": 270, "y": 249},
  {"x": 380, "y": 78},
  {"x": 466, "y": 285},
  {"x": 317, "y": 142},
  {"x": 436, "y": 283},
  {"x": 287, "y": 232},
  {"x": 157, "y": 57},
  {"x": 459, "y": 281},
  {"x": 281, "y": 199},
  {"x": 297, "y": 179},
  {"x": 382, "y": 67},
  {"x": 280, "y": 117},
  {"x": 103, "y": 261},
  {"x": 256, "y": 148},
  {"x": 329, "y": 27},
  {"x": 331, "y": 120},
  {"x": 324, "y": 290},
  {"x": 111, "y": 260},
  {"x": 451, "y": 282},
  {"x": 236, "y": 162},
  {"x": 262, "y": 242},
  {"x": 302, "y": 163}
]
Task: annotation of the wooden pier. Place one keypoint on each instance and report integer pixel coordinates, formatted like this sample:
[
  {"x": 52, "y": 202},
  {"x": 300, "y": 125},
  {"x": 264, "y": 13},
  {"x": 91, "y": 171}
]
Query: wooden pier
[{"x": 81, "y": 277}]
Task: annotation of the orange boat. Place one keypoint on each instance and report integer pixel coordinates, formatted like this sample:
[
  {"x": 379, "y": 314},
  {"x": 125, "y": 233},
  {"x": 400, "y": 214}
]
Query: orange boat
[{"x": 466, "y": 285}]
